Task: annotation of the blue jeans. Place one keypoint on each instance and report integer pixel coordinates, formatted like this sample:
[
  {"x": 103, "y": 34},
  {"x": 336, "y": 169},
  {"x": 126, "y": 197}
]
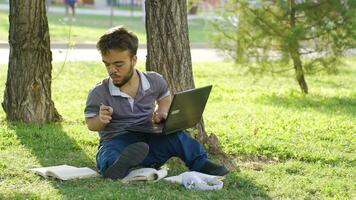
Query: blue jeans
[{"x": 161, "y": 148}]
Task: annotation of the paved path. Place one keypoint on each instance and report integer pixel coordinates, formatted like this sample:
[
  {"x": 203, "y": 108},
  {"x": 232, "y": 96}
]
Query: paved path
[
  {"x": 89, "y": 11},
  {"x": 105, "y": 11},
  {"x": 93, "y": 55}
]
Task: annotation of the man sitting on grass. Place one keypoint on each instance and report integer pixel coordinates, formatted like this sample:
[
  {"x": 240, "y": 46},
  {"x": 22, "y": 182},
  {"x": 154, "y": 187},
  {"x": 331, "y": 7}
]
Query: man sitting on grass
[{"x": 128, "y": 97}]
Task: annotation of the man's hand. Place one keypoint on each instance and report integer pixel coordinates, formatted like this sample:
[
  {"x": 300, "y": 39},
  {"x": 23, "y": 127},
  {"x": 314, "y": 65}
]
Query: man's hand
[
  {"x": 159, "y": 117},
  {"x": 99, "y": 122},
  {"x": 160, "y": 113},
  {"x": 105, "y": 113}
]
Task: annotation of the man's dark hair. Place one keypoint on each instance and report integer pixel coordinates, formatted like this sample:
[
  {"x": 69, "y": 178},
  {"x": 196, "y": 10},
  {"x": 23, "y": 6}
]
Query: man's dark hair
[{"x": 118, "y": 38}]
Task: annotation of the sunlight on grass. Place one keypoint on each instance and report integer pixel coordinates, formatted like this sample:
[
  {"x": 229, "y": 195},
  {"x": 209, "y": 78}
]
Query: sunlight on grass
[
  {"x": 269, "y": 117},
  {"x": 4, "y": 26}
]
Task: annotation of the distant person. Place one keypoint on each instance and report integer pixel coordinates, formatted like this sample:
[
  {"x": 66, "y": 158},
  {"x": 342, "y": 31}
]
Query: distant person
[
  {"x": 48, "y": 3},
  {"x": 127, "y": 97},
  {"x": 70, "y": 5}
]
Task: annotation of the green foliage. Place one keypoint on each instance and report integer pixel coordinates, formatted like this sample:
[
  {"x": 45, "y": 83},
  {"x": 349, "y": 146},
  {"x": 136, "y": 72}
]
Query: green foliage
[
  {"x": 192, "y": 2},
  {"x": 304, "y": 144},
  {"x": 269, "y": 33}
]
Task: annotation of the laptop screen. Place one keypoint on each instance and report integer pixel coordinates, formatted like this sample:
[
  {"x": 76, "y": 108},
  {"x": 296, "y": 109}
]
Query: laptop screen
[{"x": 187, "y": 108}]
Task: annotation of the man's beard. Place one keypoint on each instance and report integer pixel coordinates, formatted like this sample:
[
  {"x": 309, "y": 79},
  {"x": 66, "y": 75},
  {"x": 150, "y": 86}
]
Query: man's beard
[{"x": 126, "y": 78}]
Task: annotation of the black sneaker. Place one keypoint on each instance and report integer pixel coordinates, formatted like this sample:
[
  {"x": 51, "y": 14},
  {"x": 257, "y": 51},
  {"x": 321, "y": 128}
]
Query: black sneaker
[
  {"x": 213, "y": 169},
  {"x": 131, "y": 156}
]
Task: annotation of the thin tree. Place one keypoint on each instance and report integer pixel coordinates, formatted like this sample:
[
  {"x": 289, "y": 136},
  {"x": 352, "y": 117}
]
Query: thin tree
[
  {"x": 27, "y": 94},
  {"x": 168, "y": 51},
  {"x": 287, "y": 35}
]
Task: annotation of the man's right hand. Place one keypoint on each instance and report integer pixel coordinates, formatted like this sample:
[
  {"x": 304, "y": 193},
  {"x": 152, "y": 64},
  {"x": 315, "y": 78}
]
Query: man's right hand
[{"x": 105, "y": 113}]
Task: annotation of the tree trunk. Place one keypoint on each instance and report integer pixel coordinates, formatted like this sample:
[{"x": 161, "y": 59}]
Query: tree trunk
[
  {"x": 168, "y": 48},
  {"x": 27, "y": 95},
  {"x": 299, "y": 70},
  {"x": 294, "y": 52},
  {"x": 168, "y": 51}
]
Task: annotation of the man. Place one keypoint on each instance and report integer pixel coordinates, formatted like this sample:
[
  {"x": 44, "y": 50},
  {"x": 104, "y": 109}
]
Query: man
[
  {"x": 128, "y": 97},
  {"x": 70, "y": 5}
]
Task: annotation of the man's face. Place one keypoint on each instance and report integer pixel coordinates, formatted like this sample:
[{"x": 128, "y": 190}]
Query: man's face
[{"x": 120, "y": 66}]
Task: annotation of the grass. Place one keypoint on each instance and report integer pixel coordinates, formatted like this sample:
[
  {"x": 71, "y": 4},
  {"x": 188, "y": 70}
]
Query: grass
[
  {"x": 93, "y": 6},
  {"x": 291, "y": 146},
  {"x": 88, "y": 28}
]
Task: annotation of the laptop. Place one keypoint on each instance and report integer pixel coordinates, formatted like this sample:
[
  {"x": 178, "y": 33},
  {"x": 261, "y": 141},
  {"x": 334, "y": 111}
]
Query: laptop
[{"x": 186, "y": 110}]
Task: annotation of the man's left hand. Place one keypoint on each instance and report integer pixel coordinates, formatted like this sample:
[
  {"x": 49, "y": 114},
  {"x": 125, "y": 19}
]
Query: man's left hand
[{"x": 159, "y": 117}]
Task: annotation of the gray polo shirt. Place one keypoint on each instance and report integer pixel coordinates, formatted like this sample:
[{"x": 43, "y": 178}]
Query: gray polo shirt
[{"x": 127, "y": 110}]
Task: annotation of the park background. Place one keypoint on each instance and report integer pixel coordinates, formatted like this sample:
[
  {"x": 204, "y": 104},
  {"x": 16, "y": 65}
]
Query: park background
[{"x": 287, "y": 145}]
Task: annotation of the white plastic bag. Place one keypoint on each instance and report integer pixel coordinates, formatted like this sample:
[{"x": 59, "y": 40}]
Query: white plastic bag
[{"x": 199, "y": 181}]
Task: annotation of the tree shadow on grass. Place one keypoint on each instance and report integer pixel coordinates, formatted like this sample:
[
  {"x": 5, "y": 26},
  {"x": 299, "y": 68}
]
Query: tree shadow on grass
[
  {"x": 236, "y": 185},
  {"x": 51, "y": 145},
  {"x": 328, "y": 105}
]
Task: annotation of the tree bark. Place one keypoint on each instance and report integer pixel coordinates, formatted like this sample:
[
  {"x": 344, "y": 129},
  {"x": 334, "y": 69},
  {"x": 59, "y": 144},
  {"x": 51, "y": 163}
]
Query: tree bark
[
  {"x": 298, "y": 67},
  {"x": 168, "y": 52},
  {"x": 294, "y": 52},
  {"x": 27, "y": 95},
  {"x": 168, "y": 48}
]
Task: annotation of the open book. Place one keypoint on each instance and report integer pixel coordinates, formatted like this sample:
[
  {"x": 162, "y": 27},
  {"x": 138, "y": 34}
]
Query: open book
[
  {"x": 145, "y": 174},
  {"x": 65, "y": 172}
]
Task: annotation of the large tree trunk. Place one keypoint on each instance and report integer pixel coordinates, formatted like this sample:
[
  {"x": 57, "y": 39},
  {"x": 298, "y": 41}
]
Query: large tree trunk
[
  {"x": 168, "y": 48},
  {"x": 27, "y": 95},
  {"x": 168, "y": 51},
  {"x": 294, "y": 52}
]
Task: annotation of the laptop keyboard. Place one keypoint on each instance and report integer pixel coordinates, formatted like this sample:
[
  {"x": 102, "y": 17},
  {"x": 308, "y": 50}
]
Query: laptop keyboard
[
  {"x": 153, "y": 127},
  {"x": 147, "y": 128}
]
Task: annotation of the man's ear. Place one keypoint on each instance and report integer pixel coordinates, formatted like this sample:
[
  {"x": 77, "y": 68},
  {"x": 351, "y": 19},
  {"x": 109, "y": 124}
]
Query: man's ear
[{"x": 134, "y": 60}]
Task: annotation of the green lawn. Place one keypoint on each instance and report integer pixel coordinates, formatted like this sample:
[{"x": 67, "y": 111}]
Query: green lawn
[
  {"x": 302, "y": 147},
  {"x": 92, "y": 6},
  {"x": 88, "y": 28}
]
